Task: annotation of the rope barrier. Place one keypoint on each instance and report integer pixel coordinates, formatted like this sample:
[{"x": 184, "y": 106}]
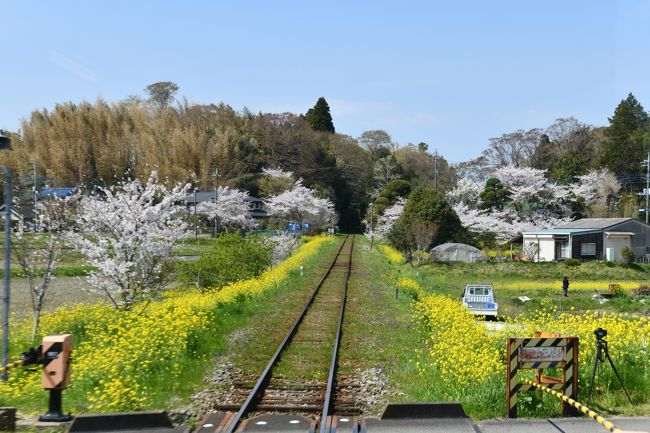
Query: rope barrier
[
  {"x": 581, "y": 407},
  {"x": 11, "y": 366}
]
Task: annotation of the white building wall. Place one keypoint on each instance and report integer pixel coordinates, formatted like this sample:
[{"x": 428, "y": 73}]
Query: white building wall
[
  {"x": 546, "y": 247},
  {"x": 612, "y": 246},
  {"x": 546, "y": 250}
]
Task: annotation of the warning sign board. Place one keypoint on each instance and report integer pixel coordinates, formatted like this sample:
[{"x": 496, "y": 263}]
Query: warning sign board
[{"x": 541, "y": 354}]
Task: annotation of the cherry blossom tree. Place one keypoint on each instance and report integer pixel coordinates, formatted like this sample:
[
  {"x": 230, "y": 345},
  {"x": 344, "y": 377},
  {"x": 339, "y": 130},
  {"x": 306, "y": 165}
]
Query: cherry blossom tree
[
  {"x": 127, "y": 233},
  {"x": 385, "y": 222},
  {"x": 599, "y": 189},
  {"x": 534, "y": 203},
  {"x": 231, "y": 209},
  {"x": 530, "y": 188},
  {"x": 282, "y": 246},
  {"x": 506, "y": 224},
  {"x": 467, "y": 191},
  {"x": 38, "y": 254},
  {"x": 300, "y": 204},
  {"x": 274, "y": 181}
]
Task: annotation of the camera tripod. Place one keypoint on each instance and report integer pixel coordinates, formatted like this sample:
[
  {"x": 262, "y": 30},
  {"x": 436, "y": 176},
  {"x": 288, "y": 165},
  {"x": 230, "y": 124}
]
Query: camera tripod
[{"x": 601, "y": 352}]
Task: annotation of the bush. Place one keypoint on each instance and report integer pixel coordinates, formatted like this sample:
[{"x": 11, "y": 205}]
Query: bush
[
  {"x": 617, "y": 291},
  {"x": 232, "y": 258},
  {"x": 572, "y": 262},
  {"x": 628, "y": 254}
]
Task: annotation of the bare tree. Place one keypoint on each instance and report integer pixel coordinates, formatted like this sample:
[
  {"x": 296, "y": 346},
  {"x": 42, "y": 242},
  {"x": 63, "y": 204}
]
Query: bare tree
[
  {"x": 513, "y": 149},
  {"x": 162, "y": 93},
  {"x": 385, "y": 170},
  {"x": 570, "y": 134},
  {"x": 38, "y": 253},
  {"x": 424, "y": 234},
  {"x": 378, "y": 142}
]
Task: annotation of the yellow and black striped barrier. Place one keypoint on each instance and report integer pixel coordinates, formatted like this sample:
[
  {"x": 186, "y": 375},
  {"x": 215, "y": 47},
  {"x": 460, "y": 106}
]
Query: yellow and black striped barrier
[
  {"x": 581, "y": 407},
  {"x": 545, "y": 350},
  {"x": 12, "y": 366}
]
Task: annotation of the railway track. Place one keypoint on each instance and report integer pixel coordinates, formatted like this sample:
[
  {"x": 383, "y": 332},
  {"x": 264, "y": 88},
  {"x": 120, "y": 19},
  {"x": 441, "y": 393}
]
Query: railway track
[{"x": 300, "y": 378}]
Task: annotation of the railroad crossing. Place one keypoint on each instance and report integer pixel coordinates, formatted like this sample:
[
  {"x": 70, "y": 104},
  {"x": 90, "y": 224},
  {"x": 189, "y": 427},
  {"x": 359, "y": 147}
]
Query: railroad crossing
[{"x": 265, "y": 410}]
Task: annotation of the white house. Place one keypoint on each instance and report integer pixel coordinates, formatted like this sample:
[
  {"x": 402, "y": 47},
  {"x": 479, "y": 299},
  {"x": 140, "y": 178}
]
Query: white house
[{"x": 589, "y": 239}]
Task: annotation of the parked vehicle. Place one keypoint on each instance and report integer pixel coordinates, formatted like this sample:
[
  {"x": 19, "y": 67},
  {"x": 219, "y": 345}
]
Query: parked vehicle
[{"x": 479, "y": 299}]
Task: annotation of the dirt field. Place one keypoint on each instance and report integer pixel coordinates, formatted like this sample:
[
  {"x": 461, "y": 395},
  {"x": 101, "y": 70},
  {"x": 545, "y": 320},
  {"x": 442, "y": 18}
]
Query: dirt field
[{"x": 62, "y": 291}]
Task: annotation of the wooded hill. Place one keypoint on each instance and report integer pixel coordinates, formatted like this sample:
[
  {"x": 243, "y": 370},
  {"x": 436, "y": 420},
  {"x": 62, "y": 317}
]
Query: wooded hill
[{"x": 89, "y": 144}]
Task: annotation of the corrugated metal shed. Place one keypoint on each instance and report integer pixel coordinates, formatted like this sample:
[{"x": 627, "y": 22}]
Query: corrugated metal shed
[{"x": 560, "y": 231}]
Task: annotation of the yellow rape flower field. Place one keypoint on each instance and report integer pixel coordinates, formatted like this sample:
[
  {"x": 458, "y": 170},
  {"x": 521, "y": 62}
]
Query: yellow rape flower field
[
  {"x": 463, "y": 359},
  {"x": 575, "y": 285},
  {"x": 118, "y": 354}
]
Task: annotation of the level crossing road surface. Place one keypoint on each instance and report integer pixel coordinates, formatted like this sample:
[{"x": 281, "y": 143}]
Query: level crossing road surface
[
  {"x": 561, "y": 425},
  {"x": 342, "y": 424},
  {"x": 215, "y": 423}
]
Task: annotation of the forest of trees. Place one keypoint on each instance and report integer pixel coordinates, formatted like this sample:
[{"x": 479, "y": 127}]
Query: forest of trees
[{"x": 94, "y": 144}]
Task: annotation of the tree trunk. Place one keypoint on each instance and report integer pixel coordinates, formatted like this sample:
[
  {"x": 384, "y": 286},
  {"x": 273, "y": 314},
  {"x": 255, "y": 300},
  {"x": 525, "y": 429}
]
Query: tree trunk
[{"x": 37, "y": 320}]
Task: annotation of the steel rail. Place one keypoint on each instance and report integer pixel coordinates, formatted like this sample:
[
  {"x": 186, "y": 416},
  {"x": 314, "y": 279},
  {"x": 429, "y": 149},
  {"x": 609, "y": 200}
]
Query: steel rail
[
  {"x": 263, "y": 380},
  {"x": 329, "y": 393}
]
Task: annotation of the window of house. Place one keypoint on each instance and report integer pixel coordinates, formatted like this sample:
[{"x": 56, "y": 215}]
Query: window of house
[{"x": 588, "y": 249}]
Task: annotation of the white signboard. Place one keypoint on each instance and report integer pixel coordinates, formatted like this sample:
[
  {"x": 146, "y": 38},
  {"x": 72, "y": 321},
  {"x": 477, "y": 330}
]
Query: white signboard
[{"x": 541, "y": 354}]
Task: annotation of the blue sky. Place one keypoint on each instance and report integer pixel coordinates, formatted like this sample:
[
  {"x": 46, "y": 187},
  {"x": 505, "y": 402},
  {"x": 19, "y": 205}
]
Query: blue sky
[{"x": 452, "y": 74}]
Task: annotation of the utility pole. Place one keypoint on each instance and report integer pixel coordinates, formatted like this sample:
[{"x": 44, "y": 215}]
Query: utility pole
[
  {"x": 196, "y": 222},
  {"x": 646, "y": 191},
  {"x": 216, "y": 201},
  {"x": 34, "y": 187},
  {"x": 435, "y": 168},
  {"x": 372, "y": 218},
  {"x": 5, "y": 143},
  {"x": 647, "y": 187}
]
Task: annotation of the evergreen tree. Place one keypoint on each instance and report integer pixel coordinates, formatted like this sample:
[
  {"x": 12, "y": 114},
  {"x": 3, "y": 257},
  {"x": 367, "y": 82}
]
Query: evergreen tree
[
  {"x": 623, "y": 150},
  {"x": 319, "y": 117},
  {"x": 545, "y": 154},
  {"x": 495, "y": 195},
  {"x": 569, "y": 166},
  {"x": 425, "y": 206}
]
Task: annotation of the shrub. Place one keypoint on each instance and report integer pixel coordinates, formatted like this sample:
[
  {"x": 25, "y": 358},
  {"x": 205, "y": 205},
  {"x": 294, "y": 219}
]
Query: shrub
[
  {"x": 572, "y": 262},
  {"x": 232, "y": 258},
  {"x": 617, "y": 291},
  {"x": 628, "y": 254}
]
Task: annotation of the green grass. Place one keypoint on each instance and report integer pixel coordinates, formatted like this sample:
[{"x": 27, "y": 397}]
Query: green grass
[
  {"x": 266, "y": 316},
  {"x": 488, "y": 400},
  {"x": 450, "y": 279},
  {"x": 193, "y": 247},
  {"x": 379, "y": 331},
  {"x": 275, "y": 313},
  {"x": 59, "y": 271}
]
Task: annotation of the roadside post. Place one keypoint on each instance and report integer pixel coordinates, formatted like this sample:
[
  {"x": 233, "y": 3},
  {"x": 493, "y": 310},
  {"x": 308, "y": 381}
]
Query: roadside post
[
  {"x": 56, "y": 352},
  {"x": 545, "y": 350},
  {"x": 5, "y": 143}
]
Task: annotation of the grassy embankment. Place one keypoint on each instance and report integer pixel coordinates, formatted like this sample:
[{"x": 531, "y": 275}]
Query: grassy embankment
[
  {"x": 156, "y": 358},
  {"x": 542, "y": 283}
]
